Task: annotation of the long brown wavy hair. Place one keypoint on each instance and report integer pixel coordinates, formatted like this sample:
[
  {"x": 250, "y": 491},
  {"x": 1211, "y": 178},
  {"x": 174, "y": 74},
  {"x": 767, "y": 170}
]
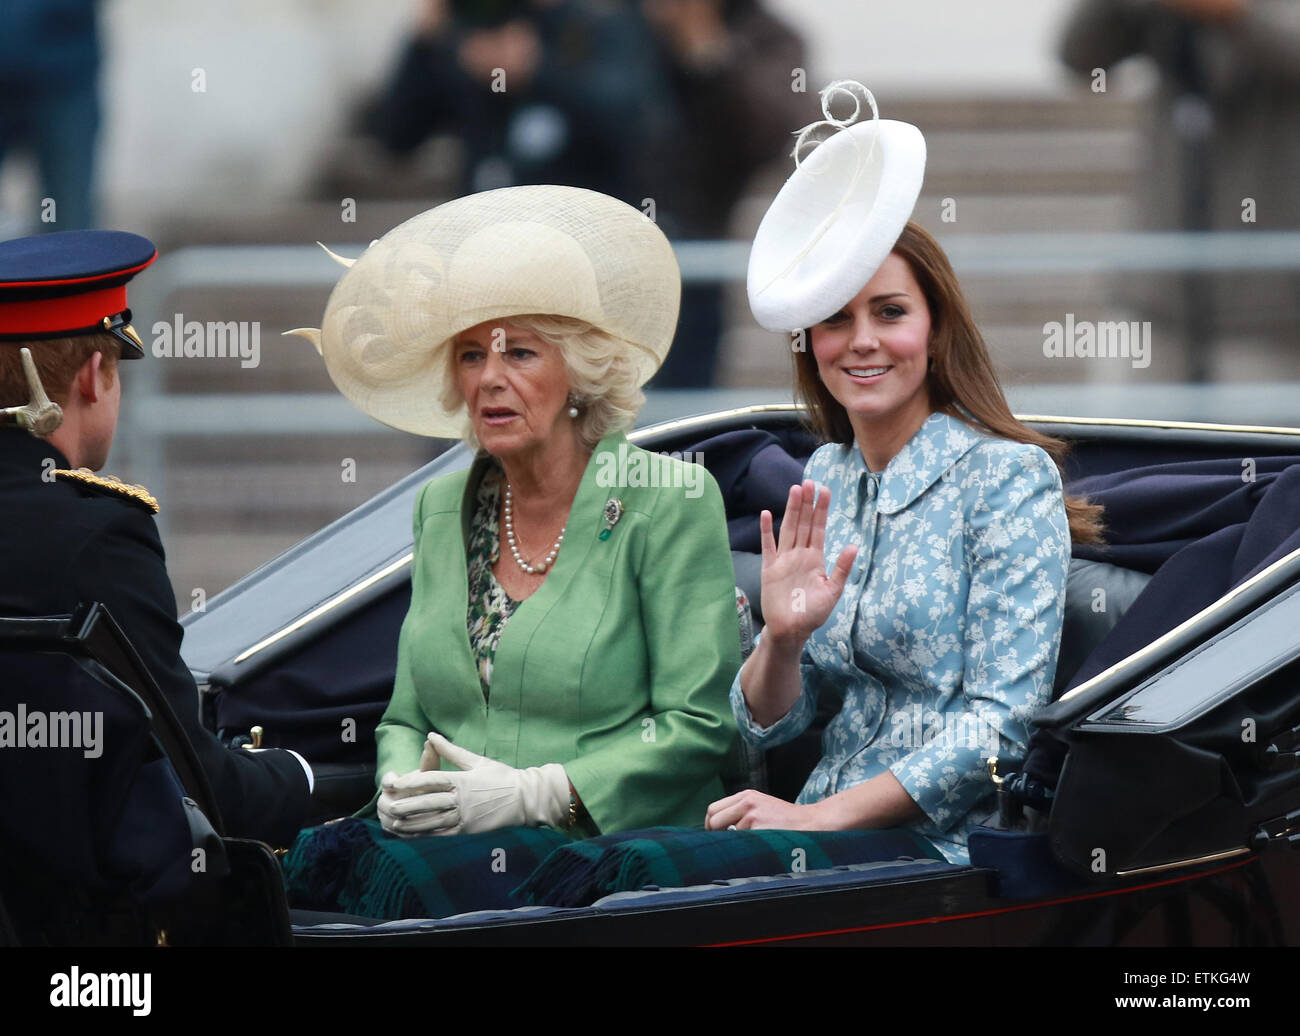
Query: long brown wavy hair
[{"x": 961, "y": 374}]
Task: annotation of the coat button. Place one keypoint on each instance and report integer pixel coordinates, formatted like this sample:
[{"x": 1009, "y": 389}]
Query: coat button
[{"x": 844, "y": 651}]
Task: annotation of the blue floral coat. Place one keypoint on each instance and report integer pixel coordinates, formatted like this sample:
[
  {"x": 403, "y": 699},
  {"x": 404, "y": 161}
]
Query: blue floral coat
[{"x": 945, "y": 639}]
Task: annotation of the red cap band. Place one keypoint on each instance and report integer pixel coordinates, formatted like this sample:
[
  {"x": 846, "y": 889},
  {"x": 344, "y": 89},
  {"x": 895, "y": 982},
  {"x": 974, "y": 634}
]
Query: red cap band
[{"x": 68, "y": 313}]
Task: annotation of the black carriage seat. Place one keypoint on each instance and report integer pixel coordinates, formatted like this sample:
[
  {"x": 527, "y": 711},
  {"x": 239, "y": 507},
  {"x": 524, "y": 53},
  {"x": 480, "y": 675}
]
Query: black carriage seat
[{"x": 1097, "y": 594}]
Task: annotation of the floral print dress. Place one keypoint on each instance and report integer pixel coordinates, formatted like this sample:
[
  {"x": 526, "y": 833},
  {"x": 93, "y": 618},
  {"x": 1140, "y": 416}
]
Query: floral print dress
[
  {"x": 945, "y": 639},
  {"x": 490, "y": 607}
]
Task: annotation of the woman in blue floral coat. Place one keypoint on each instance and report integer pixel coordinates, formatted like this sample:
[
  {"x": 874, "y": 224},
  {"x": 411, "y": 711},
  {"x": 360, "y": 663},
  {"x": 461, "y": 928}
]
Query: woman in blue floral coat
[{"x": 947, "y": 537}]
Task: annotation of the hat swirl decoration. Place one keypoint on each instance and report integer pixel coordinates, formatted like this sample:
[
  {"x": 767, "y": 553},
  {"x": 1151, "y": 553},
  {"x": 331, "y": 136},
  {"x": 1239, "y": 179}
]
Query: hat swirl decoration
[
  {"x": 312, "y": 334},
  {"x": 517, "y": 251},
  {"x": 837, "y": 217}
]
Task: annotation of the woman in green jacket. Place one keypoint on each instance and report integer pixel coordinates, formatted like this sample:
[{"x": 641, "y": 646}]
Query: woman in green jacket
[{"x": 572, "y": 633}]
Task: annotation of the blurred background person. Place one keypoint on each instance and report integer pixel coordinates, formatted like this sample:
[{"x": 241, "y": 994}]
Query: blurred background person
[
  {"x": 537, "y": 91},
  {"x": 733, "y": 95},
  {"x": 669, "y": 105},
  {"x": 1222, "y": 151},
  {"x": 49, "y": 104}
]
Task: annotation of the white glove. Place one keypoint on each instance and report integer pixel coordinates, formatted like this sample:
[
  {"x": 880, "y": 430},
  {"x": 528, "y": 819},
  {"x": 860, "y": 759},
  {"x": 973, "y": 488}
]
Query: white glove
[
  {"x": 414, "y": 803},
  {"x": 483, "y": 796},
  {"x": 424, "y": 796}
]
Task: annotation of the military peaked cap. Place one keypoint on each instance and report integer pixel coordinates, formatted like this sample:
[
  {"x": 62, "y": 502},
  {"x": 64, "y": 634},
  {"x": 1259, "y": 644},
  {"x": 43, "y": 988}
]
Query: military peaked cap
[{"x": 71, "y": 283}]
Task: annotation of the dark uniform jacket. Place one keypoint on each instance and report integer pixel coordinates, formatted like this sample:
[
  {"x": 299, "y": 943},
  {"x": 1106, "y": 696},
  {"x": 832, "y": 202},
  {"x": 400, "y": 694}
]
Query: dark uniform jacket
[{"x": 63, "y": 543}]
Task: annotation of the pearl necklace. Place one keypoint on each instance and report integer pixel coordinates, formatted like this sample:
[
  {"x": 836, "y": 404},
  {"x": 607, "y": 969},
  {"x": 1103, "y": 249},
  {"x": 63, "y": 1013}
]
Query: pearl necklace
[{"x": 546, "y": 562}]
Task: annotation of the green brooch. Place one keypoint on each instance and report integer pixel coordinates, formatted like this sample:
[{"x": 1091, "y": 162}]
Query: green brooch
[{"x": 613, "y": 512}]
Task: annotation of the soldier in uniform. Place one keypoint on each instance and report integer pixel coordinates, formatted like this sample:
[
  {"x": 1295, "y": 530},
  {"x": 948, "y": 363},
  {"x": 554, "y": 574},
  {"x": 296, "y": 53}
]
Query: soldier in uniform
[{"x": 71, "y": 536}]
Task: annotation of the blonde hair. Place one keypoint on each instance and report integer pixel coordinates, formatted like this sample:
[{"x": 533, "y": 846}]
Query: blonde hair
[{"x": 602, "y": 379}]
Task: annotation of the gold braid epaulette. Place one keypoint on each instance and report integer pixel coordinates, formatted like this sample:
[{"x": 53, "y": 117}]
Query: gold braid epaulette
[{"x": 112, "y": 485}]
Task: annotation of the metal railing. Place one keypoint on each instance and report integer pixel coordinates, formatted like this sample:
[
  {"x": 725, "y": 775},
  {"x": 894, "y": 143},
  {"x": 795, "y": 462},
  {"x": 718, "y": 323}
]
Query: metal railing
[{"x": 152, "y": 415}]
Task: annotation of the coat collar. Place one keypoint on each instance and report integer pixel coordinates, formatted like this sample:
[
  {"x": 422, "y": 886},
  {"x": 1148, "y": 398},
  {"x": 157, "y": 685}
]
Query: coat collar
[
  {"x": 939, "y": 443},
  {"x": 20, "y": 448}
]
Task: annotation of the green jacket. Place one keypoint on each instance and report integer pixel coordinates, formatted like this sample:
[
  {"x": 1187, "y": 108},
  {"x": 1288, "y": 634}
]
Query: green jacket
[{"x": 618, "y": 666}]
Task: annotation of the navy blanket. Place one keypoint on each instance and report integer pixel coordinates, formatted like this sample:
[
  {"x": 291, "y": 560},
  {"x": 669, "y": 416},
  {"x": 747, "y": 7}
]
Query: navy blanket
[
  {"x": 754, "y": 470},
  {"x": 1201, "y": 527}
]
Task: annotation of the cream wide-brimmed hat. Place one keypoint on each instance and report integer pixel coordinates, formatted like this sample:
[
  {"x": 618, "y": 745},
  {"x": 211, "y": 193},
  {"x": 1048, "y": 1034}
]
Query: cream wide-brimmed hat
[
  {"x": 548, "y": 250},
  {"x": 837, "y": 217}
]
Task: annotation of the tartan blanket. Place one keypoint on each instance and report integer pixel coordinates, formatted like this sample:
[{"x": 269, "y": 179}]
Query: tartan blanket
[
  {"x": 354, "y": 866},
  {"x": 579, "y": 873}
]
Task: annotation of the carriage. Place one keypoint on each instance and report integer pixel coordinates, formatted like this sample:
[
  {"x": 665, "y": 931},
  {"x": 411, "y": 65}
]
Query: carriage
[{"x": 1194, "y": 823}]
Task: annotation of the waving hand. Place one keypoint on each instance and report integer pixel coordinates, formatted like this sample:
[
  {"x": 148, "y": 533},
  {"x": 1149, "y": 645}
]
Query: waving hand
[{"x": 798, "y": 593}]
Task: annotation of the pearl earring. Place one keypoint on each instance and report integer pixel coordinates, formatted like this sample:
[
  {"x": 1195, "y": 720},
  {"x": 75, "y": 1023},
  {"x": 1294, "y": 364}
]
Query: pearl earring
[{"x": 573, "y": 407}]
